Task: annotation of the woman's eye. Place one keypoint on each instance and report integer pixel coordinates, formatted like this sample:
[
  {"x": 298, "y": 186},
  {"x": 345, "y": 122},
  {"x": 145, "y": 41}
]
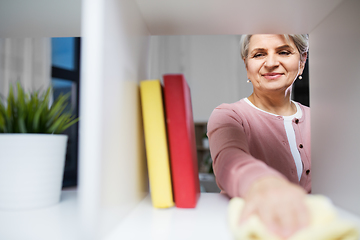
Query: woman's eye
[
  {"x": 256, "y": 55},
  {"x": 285, "y": 53}
]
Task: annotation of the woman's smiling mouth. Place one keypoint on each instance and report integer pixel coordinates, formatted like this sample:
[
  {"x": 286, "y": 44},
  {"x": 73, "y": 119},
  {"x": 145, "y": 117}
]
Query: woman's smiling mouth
[{"x": 272, "y": 75}]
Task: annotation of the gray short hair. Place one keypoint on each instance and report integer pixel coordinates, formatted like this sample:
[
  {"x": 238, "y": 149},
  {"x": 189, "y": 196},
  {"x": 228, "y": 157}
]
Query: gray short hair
[{"x": 301, "y": 42}]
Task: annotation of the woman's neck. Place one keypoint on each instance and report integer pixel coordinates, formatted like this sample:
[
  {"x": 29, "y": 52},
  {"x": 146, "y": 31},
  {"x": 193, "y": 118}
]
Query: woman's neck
[{"x": 276, "y": 104}]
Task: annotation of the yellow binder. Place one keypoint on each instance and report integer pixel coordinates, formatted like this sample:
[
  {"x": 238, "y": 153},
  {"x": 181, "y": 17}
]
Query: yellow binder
[{"x": 156, "y": 143}]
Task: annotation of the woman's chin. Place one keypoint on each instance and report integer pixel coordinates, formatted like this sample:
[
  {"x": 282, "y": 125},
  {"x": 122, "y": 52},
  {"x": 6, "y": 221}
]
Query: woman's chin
[{"x": 275, "y": 87}]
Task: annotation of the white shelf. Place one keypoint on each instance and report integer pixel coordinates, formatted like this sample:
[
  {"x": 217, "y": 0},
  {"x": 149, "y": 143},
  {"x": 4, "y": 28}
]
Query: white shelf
[
  {"x": 61, "y": 222},
  {"x": 207, "y": 221},
  {"x": 58, "y": 222}
]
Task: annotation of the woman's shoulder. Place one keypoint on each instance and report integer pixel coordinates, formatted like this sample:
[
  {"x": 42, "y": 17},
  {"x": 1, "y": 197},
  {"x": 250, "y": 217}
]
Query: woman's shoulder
[
  {"x": 226, "y": 114},
  {"x": 234, "y": 110},
  {"x": 304, "y": 108},
  {"x": 241, "y": 104}
]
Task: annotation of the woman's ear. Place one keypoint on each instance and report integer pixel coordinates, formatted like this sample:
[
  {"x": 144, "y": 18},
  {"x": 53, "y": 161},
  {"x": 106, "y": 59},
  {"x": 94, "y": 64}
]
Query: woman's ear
[
  {"x": 303, "y": 58},
  {"x": 302, "y": 62},
  {"x": 245, "y": 62}
]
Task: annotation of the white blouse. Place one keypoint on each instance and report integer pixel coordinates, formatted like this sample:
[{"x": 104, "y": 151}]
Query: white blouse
[{"x": 290, "y": 133}]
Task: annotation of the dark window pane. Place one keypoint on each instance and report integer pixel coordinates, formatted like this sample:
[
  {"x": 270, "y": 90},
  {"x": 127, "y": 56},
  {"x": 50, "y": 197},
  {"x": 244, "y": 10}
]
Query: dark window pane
[
  {"x": 62, "y": 86},
  {"x": 63, "y": 53},
  {"x": 65, "y": 86}
]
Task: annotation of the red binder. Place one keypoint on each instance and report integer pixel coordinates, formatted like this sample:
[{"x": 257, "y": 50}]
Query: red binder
[{"x": 182, "y": 143}]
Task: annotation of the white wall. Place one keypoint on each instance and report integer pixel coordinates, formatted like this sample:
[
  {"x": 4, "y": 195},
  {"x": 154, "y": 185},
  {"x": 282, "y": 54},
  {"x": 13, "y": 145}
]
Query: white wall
[
  {"x": 334, "y": 94},
  {"x": 112, "y": 164},
  {"x": 40, "y": 18},
  {"x": 211, "y": 65}
]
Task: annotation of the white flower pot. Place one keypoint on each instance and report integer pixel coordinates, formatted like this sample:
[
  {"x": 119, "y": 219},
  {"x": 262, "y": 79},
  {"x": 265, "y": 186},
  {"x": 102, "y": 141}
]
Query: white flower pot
[{"x": 31, "y": 170}]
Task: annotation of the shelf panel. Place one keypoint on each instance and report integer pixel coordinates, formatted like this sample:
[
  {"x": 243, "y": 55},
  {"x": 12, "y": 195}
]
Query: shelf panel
[
  {"x": 56, "y": 222},
  {"x": 207, "y": 221},
  {"x": 230, "y": 17}
]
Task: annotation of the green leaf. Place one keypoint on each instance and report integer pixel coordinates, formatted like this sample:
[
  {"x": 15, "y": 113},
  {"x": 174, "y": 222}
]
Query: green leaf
[
  {"x": 21, "y": 100},
  {"x": 60, "y": 101},
  {"x": 36, "y": 121},
  {"x": 59, "y": 105},
  {"x": 10, "y": 113},
  {"x": 53, "y": 115},
  {"x": 2, "y": 120},
  {"x": 31, "y": 108},
  {"x": 32, "y": 113},
  {"x": 57, "y": 124},
  {"x": 69, "y": 124},
  {"x": 22, "y": 126}
]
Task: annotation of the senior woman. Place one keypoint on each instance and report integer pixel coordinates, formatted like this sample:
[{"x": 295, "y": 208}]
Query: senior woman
[{"x": 260, "y": 145}]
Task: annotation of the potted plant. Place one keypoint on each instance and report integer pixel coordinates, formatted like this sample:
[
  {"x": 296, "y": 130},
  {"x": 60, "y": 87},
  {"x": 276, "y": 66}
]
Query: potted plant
[{"x": 32, "y": 148}]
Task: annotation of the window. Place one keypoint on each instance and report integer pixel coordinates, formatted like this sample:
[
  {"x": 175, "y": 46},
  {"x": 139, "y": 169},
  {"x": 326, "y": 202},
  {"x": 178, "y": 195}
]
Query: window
[{"x": 66, "y": 79}]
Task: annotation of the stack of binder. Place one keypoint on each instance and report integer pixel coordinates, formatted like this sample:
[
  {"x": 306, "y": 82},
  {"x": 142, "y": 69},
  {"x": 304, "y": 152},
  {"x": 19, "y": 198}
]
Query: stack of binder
[{"x": 170, "y": 142}]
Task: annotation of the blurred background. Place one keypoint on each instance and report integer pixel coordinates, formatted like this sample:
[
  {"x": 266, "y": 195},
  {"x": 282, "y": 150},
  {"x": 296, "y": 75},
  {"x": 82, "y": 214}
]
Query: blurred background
[{"x": 211, "y": 65}]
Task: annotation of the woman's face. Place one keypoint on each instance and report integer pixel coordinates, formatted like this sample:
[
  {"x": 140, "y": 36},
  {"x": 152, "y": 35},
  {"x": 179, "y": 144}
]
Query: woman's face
[{"x": 273, "y": 63}]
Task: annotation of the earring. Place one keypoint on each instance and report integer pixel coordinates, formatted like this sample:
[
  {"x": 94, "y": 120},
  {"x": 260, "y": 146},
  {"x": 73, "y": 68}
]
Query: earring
[
  {"x": 300, "y": 77},
  {"x": 248, "y": 81}
]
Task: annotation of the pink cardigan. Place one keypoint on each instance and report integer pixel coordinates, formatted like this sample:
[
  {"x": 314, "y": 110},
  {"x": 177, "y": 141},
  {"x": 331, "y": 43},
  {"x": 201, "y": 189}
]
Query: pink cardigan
[{"x": 247, "y": 144}]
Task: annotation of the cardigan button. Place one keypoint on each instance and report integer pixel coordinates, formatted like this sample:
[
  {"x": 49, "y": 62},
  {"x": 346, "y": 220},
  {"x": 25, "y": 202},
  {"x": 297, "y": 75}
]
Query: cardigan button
[
  {"x": 296, "y": 121},
  {"x": 301, "y": 146},
  {"x": 307, "y": 172}
]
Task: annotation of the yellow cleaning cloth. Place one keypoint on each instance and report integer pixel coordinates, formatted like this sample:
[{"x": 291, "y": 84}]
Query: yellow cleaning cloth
[{"x": 324, "y": 224}]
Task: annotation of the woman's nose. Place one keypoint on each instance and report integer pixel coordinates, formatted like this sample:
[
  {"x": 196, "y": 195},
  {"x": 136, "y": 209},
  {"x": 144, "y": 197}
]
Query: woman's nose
[{"x": 271, "y": 61}]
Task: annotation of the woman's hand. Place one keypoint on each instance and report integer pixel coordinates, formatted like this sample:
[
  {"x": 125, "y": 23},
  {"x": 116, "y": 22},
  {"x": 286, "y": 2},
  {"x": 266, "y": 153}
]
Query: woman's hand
[{"x": 279, "y": 204}]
